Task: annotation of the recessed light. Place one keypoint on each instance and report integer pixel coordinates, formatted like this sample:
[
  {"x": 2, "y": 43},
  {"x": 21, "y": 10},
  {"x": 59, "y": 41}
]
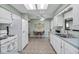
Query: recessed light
[
  {"x": 30, "y": 6},
  {"x": 42, "y": 6}
]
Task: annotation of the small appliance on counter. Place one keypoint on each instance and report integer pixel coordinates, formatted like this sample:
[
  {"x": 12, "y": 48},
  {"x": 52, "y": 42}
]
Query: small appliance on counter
[{"x": 58, "y": 29}]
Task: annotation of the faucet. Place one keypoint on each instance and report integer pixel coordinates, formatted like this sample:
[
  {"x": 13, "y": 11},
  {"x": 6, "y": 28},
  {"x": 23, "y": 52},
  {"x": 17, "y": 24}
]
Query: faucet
[{"x": 68, "y": 35}]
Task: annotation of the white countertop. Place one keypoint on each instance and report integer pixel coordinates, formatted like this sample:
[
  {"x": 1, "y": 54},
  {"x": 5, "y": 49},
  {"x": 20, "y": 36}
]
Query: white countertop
[
  {"x": 7, "y": 39},
  {"x": 73, "y": 41}
]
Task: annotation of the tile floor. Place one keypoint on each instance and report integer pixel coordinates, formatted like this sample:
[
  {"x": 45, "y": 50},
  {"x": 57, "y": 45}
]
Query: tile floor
[{"x": 38, "y": 46}]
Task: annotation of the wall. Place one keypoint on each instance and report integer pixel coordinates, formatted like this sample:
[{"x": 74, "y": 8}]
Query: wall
[{"x": 46, "y": 27}]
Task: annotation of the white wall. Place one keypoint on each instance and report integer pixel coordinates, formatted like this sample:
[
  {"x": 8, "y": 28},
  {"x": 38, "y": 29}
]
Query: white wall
[{"x": 46, "y": 27}]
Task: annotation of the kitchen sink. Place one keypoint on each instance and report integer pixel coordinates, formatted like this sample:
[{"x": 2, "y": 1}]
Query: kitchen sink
[{"x": 65, "y": 35}]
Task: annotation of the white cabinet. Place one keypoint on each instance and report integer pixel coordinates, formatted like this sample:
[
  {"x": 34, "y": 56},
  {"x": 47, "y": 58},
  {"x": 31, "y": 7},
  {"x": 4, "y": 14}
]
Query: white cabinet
[
  {"x": 75, "y": 17},
  {"x": 16, "y": 29},
  {"x": 9, "y": 45},
  {"x": 55, "y": 21},
  {"x": 62, "y": 47},
  {"x": 5, "y": 16},
  {"x": 69, "y": 14},
  {"x": 51, "y": 38},
  {"x": 58, "y": 20},
  {"x": 76, "y": 14},
  {"x": 73, "y": 13},
  {"x": 56, "y": 43}
]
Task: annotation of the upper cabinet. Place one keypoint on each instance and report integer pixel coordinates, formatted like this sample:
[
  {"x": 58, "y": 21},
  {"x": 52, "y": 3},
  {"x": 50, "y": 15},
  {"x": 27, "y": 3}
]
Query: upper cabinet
[
  {"x": 14, "y": 16},
  {"x": 76, "y": 14},
  {"x": 68, "y": 15},
  {"x": 75, "y": 17},
  {"x": 5, "y": 16},
  {"x": 58, "y": 20}
]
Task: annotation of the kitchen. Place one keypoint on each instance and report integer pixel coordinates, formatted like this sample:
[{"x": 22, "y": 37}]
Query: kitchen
[{"x": 60, "y": 27}]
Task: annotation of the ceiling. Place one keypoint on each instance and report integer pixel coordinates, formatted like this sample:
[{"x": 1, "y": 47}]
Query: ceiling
[{"x": 35, "y": 14}]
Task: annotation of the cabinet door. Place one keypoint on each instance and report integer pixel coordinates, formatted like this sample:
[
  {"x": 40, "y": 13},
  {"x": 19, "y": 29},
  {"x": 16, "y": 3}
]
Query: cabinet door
[
  {"x": 53, "y": 41},
  {"x": 55, "y": 21},
  {"x": 76, "y": 14},
  {"x": 69, "y": 49},
  {"x": 63, "y": 47},
  {"x": 5, "y": 16},
  {"x": 51, "y": 38},
  {"x": 57, "y": 44},
  {"x": 60, "y": 20},
  {"x": 4, "y": 48},
  {"x": 16, "y": 29}
]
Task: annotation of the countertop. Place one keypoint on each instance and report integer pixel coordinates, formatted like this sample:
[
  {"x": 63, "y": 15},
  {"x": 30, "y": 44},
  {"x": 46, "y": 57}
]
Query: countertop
[
  {"x": 73, "y": 41},
  {"x": 2, "y": 41}
]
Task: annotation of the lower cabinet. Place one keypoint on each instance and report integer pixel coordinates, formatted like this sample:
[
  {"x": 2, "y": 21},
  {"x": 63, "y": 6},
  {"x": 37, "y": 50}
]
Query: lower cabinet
[
  {"x": 51, "y": 38},
  {"x": 62, "y": 47},
  {"x": 9, "y": 46},
  {"x": 56, "y": 43}
]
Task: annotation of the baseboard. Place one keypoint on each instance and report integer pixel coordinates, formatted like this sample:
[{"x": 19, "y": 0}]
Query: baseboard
[{"x": 25, "y": 46}]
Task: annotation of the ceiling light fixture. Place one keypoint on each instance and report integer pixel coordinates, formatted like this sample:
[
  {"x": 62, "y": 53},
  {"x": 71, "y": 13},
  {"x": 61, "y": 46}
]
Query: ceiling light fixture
[
  {"x": 42, "y": 6},
  {"x": 30, "y": 6}
]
